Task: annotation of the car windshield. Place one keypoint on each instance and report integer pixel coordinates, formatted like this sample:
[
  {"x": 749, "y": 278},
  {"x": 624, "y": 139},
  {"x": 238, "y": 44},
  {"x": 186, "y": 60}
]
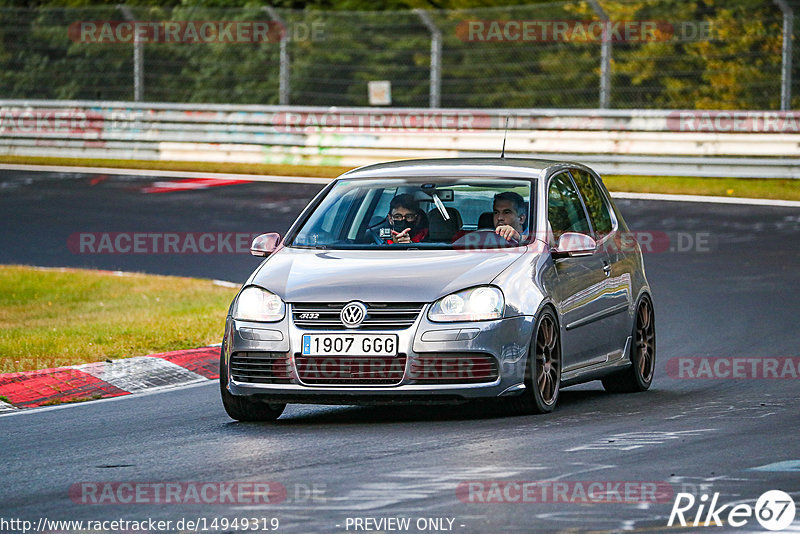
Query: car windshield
[{"x": 418, "y": 213}]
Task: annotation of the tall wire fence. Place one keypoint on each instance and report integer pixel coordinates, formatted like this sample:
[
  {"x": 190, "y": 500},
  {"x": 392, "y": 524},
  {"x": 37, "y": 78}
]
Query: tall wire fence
[{"x": 643, "y": 54}]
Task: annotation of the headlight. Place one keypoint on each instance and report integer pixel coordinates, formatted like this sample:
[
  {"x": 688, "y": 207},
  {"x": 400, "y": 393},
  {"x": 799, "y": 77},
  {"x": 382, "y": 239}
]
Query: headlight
[
  {"x": 256, "y": 304},
  {"x": 476, "y": 304}
]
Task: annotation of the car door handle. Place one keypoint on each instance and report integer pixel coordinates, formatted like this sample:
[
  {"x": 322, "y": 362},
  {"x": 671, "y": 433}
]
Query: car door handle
[{"x": 607, "y": 268}]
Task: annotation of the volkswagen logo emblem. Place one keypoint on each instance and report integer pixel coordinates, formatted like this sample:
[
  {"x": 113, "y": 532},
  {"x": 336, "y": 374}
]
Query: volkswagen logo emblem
[{"x": 353, "y": 314}]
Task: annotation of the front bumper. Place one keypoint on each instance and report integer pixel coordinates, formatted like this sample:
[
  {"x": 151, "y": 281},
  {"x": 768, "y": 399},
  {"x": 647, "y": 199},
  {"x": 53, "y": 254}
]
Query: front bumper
[{"x": 504, "y": 342}]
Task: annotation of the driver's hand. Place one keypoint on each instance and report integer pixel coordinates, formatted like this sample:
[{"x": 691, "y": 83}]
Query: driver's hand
[
  {"x": 401, "y": 237},
  {"x": 507, "y": 232}
]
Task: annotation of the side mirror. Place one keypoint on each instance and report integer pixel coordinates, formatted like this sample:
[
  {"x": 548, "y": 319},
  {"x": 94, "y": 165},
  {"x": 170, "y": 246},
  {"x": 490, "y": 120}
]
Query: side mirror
[
  {"x": 574, "y": 244},
  {"x": 265, "y": 244}
]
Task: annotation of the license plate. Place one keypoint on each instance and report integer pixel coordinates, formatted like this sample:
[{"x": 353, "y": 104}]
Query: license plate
[{"x": 349, "y": 345}]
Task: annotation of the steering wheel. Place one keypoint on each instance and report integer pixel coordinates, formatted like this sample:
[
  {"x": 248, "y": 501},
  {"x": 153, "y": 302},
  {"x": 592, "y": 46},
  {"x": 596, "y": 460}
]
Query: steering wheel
[
  {"x": 482, "y": 239},
  {"x": 374, "y": 233}
]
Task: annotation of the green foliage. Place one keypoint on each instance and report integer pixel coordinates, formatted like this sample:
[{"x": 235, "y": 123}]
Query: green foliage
[{"x": 707, "y": 54}]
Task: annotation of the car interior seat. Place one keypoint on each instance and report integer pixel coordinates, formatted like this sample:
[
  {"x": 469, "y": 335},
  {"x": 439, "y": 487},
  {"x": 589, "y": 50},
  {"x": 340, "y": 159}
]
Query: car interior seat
[
  {"x": 441, "y": 229},
  {"x": 486, "y": 221}
]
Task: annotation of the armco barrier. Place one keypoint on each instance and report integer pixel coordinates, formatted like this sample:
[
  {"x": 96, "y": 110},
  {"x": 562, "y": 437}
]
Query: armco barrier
[{"x": 648, "y": 142}]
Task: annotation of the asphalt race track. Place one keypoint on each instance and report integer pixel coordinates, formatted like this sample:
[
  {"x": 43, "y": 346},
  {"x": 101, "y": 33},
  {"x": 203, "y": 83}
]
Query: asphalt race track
[{"x": 729, "y": 288}]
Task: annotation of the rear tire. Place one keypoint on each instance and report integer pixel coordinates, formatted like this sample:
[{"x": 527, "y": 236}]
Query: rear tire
[
  {"x": 639, "y": 375},
  {"x": 542, "y": 369},
  {"x": 242, "y": 408}
]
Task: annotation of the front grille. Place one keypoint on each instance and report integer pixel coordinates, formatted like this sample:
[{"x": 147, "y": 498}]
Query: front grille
[
  {"x": 380, "y": 316},
  {"x": 260, "y": 367},
  {"x": 350, "y": 370},
  {"x": 453, "y": 368}
]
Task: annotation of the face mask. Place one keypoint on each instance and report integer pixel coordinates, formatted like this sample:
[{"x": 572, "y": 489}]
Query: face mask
[{"x": 399, "y": 226}]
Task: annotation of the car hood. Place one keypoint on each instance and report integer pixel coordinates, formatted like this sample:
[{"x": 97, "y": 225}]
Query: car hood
[{"x": 303, "y": 275}]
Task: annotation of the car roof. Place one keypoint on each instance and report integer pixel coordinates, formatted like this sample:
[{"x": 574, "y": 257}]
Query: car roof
[{"x": 497, "y": 167}]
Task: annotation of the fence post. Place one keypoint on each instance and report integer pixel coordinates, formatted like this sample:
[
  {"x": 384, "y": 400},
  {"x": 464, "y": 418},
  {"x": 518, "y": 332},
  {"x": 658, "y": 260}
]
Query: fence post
[
  {"x": 605, "y": 56},
  {"x": 786, "y": 59},
  {"x": 138, "y": 58},
  {"x": 436, "y": 57},
  {"x": 283, "y": 80}
]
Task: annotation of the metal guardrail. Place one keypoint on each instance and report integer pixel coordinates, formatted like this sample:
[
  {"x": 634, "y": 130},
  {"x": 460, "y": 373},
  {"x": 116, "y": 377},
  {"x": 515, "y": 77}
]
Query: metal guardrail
[{"x": 646, "y": 142}]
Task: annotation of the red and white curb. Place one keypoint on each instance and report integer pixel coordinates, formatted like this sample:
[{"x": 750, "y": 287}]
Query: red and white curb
[{"x": 115, "y": 378}]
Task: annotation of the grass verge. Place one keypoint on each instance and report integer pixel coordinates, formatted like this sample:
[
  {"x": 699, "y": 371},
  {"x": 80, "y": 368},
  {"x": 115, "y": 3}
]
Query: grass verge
[
  {"x": 53, "y": 318},
  {"x": 788, "y": 189},
  {"x": 772, "y": 188},
  {"x": 57, "y": 401}
]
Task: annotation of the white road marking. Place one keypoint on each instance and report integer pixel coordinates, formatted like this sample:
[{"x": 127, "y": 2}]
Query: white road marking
[
  {"x": 785, "y": 466},
  {"x": 707, "y": 199},
  {"x": 224, "y": 283},
  {"x": 422, "y": 484},
  {"x": 718, "y": 410},
  {"x": 697, "y": 485},
  {"x": 628, "y": 441},
  {"x": 122, "y": 398}
]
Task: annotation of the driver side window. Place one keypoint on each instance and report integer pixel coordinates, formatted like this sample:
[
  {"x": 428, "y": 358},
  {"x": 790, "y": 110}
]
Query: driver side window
[{"x": 565, "y": 211}]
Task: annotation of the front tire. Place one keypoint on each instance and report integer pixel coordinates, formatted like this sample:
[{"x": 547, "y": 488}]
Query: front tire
[
  {"x": 242, "y": 408},
  {"x": 639, "y": 375},
  {"x": 542, "y": 369}
]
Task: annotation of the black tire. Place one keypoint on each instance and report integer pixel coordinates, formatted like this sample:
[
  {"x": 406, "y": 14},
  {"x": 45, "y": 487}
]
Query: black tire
[
  {"x": 242, "y": 408},
  {"x": 639, "y": 375},
  {"x": 542, "y": 369}
]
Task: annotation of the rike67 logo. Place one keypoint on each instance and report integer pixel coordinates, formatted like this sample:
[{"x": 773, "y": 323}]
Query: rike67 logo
[{"x": 774, "y": 510}]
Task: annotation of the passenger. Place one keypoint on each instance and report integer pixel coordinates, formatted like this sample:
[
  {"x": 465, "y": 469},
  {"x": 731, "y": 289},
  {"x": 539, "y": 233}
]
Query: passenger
[
  {"x": 409, "y": 222},
  {"x": 510, "y": 212},
  {"x": 509, "y": 215}
]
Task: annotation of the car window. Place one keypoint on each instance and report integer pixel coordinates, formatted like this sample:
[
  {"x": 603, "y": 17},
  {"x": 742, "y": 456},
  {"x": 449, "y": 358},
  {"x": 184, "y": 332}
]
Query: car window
[
  {"x": 595, "y": 201},
  {"x": 564, "y": 209},
  {"x": 356, "y": 213},
  {"x": 386, "y": 197},
  {"x": 334, "y": 217}
]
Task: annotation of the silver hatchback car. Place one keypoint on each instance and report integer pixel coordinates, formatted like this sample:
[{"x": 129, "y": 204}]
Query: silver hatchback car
[{"x": 442, "y": 281}]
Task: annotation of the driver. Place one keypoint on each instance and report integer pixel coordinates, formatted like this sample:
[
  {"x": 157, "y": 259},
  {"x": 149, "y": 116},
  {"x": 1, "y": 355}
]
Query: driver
[
  {"x": 509, "y": 212},
  {"x": 409, "y": 223}
]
